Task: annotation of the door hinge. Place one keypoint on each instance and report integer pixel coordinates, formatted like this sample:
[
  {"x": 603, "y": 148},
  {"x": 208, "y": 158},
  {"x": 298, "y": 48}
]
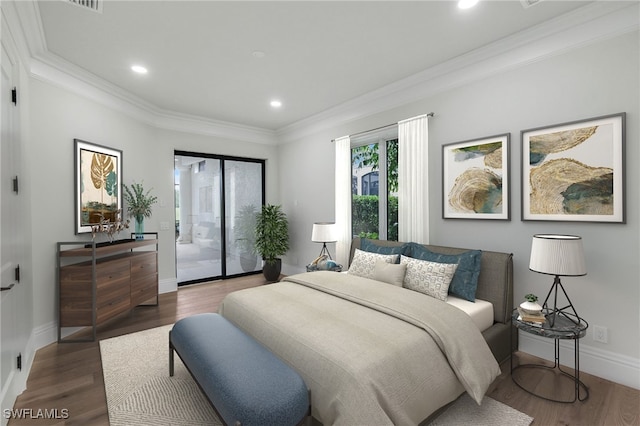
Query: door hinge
[
  {"x": 15, "y": 184},
  {"x": 14, "y": 96},
  {"x": 17, "y": 273},
  {"x": 19, "y": 361}
]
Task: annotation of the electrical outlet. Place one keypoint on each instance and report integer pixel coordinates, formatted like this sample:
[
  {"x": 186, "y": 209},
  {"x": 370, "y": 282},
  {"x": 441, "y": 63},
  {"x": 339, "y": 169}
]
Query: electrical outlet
[{"x": 600, "y": 334}]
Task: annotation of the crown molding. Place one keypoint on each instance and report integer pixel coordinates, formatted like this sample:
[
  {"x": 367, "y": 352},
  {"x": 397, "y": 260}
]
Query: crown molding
[
  {"x": 54, "y": 70},
  {"x": 592, "y": 23},
  {"x": 587, "y": 25},
  {"x": 47, "y": 67}
]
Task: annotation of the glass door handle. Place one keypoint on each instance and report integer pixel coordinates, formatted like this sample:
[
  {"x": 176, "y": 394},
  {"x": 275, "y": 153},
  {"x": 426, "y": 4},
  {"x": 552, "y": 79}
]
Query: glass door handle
[{"x": 7, "y": 288}]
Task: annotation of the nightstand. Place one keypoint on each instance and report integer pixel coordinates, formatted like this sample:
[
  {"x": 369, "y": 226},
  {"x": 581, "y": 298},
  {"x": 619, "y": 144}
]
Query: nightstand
[{"x": 563, "y": 329}]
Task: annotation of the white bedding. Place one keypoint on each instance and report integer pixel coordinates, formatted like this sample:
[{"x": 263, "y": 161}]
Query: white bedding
[
  {"x": 481, "y": 312},
  {"x": 370, "y": 353}
]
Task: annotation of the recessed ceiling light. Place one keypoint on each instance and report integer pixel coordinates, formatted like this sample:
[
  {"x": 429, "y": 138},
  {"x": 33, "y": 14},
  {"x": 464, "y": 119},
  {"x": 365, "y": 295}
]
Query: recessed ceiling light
[
  {"x": 258, "y": 54},
  {"x": 139, "y": 69},
  {"x": 467, "y": 4},
  {"x": 276, "y": 104}
]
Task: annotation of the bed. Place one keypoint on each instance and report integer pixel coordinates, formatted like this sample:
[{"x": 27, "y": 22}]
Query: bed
[{"x": 375, "y": 353}]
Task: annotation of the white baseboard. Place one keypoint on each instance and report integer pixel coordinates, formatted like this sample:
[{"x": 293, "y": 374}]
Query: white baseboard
[
  {"x": 167, "y": 285},
  {"x": 608, "y": 365},
  {"x": 16, "y": 382}
]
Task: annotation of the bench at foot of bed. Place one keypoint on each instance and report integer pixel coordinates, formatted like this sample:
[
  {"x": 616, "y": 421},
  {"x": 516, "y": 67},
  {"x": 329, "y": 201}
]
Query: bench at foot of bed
[{"x": 245, "y": 383}]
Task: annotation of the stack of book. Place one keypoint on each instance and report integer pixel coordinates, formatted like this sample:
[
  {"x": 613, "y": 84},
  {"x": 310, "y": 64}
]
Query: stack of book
[{"x": 535, "y": 319}]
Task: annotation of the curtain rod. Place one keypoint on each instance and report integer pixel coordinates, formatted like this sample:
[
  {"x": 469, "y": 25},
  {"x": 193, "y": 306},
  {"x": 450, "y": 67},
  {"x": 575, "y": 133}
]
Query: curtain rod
[{"x": 431, "y": 114}]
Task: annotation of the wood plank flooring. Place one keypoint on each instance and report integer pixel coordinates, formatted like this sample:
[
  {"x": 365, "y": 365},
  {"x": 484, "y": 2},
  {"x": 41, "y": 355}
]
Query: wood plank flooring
[{"x": 68, "y": 377}]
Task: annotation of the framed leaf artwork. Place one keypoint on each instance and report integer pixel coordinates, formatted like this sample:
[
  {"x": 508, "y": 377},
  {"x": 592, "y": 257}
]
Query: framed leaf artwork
[
  {"x": 98, "y": 182},
  {"x": 575, "y": 171},
  {"x": 475, "y": 179}
]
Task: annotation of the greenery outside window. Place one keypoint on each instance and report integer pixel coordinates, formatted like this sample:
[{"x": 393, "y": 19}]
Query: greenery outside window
[{"x": 374, "y": 167}]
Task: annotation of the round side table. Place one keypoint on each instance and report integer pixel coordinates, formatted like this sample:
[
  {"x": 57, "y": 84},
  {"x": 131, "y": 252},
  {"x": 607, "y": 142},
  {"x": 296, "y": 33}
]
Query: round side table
[{"x": 563, "y": 329}]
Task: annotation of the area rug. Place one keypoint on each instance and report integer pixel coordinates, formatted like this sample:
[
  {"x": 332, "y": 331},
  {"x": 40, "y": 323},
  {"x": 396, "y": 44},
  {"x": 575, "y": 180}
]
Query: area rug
[{"x": 140, "y": 391}]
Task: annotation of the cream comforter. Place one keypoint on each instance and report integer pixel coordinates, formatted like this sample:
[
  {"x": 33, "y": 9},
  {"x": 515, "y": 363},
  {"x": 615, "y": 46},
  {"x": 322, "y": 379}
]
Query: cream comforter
[{"x": 371, "y": 353}]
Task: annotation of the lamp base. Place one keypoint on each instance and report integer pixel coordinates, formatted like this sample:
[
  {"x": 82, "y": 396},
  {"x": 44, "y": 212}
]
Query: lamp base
[
  {"x": 568, "y": 311},
  {"x": 325, "y": 250}
]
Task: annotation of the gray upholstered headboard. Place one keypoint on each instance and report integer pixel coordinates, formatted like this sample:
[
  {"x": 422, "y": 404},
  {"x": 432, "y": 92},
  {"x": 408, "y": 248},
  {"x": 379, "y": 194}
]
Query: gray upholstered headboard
[{"x": 495, "y": 283}]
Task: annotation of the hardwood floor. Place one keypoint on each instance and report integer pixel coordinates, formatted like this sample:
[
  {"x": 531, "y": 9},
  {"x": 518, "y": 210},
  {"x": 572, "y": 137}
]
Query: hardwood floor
[{"x": 68, "y": 377}]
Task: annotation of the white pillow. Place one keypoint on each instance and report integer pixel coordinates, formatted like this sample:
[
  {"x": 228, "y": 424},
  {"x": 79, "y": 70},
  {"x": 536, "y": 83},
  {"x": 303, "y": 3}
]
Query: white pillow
[
  {"x": 430, "y": 278},
  {"x": 389, "y": 272},
  {"x": 363, "y": 263}
]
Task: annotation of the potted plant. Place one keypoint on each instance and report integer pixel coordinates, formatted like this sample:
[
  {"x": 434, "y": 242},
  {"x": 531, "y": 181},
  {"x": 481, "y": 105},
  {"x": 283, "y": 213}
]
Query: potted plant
[
  {"x": 245, "y": 233},
  {"x": 530, "y": 304},
  {"x": 139, "y": 205},
  {"x": 272, "y": 239}
]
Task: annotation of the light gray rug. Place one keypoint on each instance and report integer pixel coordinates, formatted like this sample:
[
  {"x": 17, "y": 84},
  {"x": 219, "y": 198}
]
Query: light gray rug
[{"x": 140, "y": 391}]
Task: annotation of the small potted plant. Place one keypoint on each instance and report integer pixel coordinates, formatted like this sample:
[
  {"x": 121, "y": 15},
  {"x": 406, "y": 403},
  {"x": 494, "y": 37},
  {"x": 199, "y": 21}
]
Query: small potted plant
[
  {"x": 272, "y": 239},
  {"x": 139, "y": 205},
  {"x": 530, "y": 304}
]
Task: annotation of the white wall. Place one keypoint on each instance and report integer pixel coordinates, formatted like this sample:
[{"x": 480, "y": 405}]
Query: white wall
[
  {"x": 595, "y": 80},
  {"x": 56, "y": 117}
]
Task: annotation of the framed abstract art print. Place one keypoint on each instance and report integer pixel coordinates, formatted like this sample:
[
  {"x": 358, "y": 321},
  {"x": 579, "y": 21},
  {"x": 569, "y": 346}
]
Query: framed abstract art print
[
  {"x": 98, "y": 173},
  {"x": 575, "y": 171},
  {"x": 475, "y": 176}
]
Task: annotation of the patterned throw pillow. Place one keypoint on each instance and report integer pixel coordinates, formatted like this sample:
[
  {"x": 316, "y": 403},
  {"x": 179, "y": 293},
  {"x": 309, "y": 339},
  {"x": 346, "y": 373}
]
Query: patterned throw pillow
[
  {"x": 465, "y": 281},
  {"x": 430, "y": 278},
  {"x": 363, "y": 263}
]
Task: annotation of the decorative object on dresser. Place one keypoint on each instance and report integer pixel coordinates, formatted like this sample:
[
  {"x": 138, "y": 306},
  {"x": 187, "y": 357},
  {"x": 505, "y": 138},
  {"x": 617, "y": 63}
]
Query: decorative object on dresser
[
  {"x": 558, "y": 255},
  {"x": 575, "y": 171},
  {"x": 105, "y": 226},
  {"x": 97, "y": 282},
  {"x": 272, "y": 239},
  {"x": 139, "y": 205},
  {"x": 98, "y": 172}
]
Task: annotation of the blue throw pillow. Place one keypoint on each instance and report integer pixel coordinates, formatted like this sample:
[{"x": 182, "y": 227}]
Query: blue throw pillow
[
  {"x": 465, "y": 281},
  {"x": 371, "y": 247}
]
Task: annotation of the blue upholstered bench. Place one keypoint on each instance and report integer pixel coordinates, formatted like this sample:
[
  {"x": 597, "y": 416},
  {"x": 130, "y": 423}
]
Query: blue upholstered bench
[{"x": 245, "y": 383}]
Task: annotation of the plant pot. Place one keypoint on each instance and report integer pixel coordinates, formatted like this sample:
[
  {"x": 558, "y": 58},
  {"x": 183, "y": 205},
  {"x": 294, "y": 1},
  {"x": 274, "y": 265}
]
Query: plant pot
[
  {"x": 531, "y": 307},
  {"x": 139, "y": 228},
  {"x": 271, "y": 270}
]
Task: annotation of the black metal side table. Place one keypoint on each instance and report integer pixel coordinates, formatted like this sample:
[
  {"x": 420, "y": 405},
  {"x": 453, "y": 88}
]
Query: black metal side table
[{"x": 562, "y": 329}]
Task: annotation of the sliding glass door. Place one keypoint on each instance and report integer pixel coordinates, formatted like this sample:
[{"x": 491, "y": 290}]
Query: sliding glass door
[{"x": 217, "y": 199}]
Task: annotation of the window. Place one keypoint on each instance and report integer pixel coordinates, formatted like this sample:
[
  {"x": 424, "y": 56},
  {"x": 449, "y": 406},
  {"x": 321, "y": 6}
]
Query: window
[
  {"x": 374, "y": 184},
  {"x": 370, "y": 184}
]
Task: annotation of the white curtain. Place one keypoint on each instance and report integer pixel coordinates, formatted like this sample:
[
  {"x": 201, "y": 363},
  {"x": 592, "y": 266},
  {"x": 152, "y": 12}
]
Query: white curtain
[
  {"x": 343, "y": 199},
  {"x": 413, "y": 180}
]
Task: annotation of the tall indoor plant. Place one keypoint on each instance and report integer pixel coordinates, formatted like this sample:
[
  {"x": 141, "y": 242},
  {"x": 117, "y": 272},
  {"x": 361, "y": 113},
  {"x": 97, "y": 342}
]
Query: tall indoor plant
[
  {"x": 139, "y": 205},
  {"x": 272, "y": 239}
]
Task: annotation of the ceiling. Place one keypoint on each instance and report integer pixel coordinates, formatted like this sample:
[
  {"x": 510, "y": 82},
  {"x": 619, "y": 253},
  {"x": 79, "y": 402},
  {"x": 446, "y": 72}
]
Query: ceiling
[{"x": 316, "y": 55}]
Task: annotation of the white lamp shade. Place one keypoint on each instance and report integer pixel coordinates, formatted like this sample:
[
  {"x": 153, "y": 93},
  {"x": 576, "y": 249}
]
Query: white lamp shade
[
  {"x": 324, "y": 232},
  {"x": 561, "y": 255}
]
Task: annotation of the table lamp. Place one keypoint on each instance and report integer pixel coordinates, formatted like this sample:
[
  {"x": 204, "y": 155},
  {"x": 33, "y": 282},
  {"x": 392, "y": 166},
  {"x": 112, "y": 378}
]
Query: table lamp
[
  {"x": 558, "y": 255},
  {"x": 324, "y": 232}
]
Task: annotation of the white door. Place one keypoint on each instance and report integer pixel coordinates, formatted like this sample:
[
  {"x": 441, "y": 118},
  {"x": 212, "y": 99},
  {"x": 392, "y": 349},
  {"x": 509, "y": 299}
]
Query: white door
[{"x": 12, "y": 296}]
